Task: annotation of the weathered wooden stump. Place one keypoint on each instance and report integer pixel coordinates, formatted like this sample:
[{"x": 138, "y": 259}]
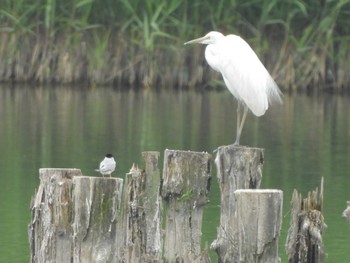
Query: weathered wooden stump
[
  {"x": 185, "y": 188},
  {"x": 51, "y": 229},
  {"x": 258, "y": 222},
  {"x": 143, "y": 213},
  {"x": 238, "y": 167},
  {"x": 96, "y": 216},
  {"x": 74, "y": 218},
  {"x": 304, "y": 241},
  {"x": 153, "y": 206}
]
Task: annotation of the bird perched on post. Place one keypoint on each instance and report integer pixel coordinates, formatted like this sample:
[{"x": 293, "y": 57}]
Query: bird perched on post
[
  {"x": 243, "y": 73},
  {"x": 107, "y": 166}
]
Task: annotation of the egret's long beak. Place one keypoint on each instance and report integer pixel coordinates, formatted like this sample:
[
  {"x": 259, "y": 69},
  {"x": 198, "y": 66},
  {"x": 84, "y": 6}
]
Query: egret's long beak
[{"x": 197, "y": 40}]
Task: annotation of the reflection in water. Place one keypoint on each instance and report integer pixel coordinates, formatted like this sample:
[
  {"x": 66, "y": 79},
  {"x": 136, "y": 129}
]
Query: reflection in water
[{"x": 304, "y": 139}]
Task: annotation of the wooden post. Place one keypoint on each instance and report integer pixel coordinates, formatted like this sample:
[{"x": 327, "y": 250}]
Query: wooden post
[
  {"x": 186, "y": 184},
  {"x": 143, "y": 212},
  {"x": 153, "y": 206},
  {"x": 304, "y": 241},
  {"x": 74, "y": 217},
  {"x": 51, "y": 229},
  {"x": 258, "y": 222},
  {"x": 238, "y": 167},
  {"x": 96, "y": 218}
]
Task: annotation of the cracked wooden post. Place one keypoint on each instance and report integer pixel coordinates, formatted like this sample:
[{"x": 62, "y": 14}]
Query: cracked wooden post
[
  {"x": 304, "y": 241},
  {"x": 258, "y": 222},
  {"x": 238, "y": 167},
  {"x": 74, "y": 217},
  {"x": 96, "y": 218},
  {"x": 153, "y": 204},
  {"x": 50, "y": 230},
  {"x": 143, "y": 212},
  {"x": 186, "y": 184}
]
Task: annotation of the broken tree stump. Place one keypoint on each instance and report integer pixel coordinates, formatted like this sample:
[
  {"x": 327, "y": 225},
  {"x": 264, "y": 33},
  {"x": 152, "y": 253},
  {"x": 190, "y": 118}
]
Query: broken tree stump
[
  {"x": 304, "y": 241},
  {"x": 258, "y": 222},
  {"x": 50, "y": 229},
  {"x": 74, "y": 217},
  {"x": 185, "y": 188},
  {"x": 143, "y": 213},
  {"x": 238, "y": 167}
]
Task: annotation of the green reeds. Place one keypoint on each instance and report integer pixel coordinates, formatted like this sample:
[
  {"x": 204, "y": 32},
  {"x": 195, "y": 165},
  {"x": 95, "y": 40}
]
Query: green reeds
[{"x": 134, "y": 42}]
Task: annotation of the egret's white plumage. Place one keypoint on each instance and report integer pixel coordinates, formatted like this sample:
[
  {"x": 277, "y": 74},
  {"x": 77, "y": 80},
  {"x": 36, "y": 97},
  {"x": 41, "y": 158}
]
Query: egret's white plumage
[
  {"x": 244, "y": 74},
  {"x": 107, "y": 166}
]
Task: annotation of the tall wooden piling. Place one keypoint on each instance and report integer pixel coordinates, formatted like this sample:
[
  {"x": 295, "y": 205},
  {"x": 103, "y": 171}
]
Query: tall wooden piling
[
  {"x": 304, "y": 241},
  {"x": 185, "y": 188},
  {"x": 238, "y": 167},
  {"x": 143, "y": 213},
  {"x": 74, "y": 218},
  {"x": 153, "y": 205}
]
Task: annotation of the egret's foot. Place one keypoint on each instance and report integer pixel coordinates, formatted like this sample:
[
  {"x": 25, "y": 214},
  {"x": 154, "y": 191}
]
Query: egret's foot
[{"x": 236, "y": 142}]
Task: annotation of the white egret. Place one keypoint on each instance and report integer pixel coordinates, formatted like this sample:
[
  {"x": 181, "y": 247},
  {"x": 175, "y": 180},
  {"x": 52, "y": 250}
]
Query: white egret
[
  {"x": 107, "y": 166},
  {"x": 244, "y": 74}
]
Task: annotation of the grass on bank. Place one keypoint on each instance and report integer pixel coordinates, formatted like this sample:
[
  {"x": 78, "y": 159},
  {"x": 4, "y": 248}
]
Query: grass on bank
[{"x": 126, "y": 42}]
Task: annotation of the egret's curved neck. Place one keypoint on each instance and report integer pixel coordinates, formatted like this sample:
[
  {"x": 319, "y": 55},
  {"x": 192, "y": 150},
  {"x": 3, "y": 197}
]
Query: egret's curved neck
[{"x": 212, "y": 56}]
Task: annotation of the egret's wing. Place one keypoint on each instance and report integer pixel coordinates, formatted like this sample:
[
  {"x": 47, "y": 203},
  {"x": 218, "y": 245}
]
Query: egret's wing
[{"x": 245, "y": 76}]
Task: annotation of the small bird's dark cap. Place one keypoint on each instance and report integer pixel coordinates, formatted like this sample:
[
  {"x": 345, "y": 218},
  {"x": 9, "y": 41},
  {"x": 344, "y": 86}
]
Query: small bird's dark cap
[{"x": 109, "y": 155}]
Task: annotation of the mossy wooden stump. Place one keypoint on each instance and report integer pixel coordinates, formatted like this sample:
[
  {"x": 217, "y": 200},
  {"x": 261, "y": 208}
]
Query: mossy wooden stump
[
  {"x": 304, "y": 241},
  {"x": 74, "y": 217},
  {"x": 142, "y": 213},
  {"x": 185, "y": 189}
]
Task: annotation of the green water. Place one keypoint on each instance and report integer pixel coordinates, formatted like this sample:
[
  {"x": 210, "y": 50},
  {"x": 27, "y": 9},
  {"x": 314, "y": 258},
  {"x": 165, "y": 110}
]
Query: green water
[{"x": 304, "y": 139}]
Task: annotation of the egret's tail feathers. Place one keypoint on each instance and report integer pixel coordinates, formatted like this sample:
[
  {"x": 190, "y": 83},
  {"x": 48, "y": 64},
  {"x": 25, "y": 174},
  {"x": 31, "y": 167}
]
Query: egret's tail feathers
[{"x": 274, "y": 93}]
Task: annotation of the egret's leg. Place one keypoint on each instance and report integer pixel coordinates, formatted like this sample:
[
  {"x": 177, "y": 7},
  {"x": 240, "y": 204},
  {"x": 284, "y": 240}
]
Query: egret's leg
[
  {"x": 240, "y": 125},
  {"x": 238, "y": 119}
]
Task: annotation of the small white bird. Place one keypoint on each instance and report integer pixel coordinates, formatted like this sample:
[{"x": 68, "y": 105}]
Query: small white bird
[
  {"x": 107, "y": 166},
  {"x": 244, "y": 74}
]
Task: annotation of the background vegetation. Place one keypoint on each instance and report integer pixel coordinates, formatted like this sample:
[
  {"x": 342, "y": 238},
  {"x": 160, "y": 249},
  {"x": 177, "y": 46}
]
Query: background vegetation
[{"x": 303, "y": 43}]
